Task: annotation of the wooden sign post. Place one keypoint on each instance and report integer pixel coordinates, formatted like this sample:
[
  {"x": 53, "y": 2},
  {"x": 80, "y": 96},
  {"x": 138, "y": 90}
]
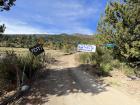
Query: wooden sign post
[{"x": 36, "y": 50}]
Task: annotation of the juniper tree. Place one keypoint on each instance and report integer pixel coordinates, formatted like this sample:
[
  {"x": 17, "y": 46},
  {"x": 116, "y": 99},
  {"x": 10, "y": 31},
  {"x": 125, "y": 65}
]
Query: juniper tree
[
  {"x": 122, "y": 22},
  {"x": 5, "y": 5}
]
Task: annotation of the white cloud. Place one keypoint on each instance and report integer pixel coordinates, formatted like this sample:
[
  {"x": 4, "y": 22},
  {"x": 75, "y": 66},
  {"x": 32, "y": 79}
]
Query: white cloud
[
  {"x": 53, "y": 16},
  {"x": 19, "y": 27},
  {"x": 74, "y": 30}
]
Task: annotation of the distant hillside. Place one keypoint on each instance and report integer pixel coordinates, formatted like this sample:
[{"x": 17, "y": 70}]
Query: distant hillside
[{"x": 22, "y": 40}]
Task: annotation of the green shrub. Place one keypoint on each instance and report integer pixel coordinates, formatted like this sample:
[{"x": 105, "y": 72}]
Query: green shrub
[
  {"x": 102, "y": 58},
  {"x": 106, "y": 68},
  {"x": 12, "y": 64},
  {"x": 103, "y": 55},
  {"x": 116, "y": 63},
  {"x": 7, "y": 70},
  {"x": 137, "y": 72},
  {"x": 85, "y": 58},
  {"x": 30, "y": 63},
  {"x": 68, "y": 48},
  {"x": 126, "y": 69}
]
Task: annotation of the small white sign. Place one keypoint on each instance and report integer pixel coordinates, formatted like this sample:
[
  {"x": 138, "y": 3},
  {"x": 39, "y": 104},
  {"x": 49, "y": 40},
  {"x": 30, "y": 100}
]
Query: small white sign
[{"x": 86, "y": 48}]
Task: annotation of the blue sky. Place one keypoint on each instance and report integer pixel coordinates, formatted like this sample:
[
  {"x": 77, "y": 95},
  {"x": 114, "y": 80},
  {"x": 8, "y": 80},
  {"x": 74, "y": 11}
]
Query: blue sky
[{"x": 53, "y": 16}]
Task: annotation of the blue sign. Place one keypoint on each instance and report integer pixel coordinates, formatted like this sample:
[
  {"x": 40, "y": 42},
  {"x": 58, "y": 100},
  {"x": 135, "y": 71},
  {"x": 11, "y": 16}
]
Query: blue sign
[{"x": 110, "y": 45}]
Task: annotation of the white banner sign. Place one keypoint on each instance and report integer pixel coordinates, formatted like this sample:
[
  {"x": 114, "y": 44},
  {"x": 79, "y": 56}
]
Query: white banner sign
[{"x": 86, "y": 48}]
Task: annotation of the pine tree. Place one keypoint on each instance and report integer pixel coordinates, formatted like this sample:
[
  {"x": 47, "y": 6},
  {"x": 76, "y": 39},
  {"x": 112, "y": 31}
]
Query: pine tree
[
  {"x": 122, "y": 22},
  {"x": 2, "y": 28},
  {"x": 5, "y": 5}
]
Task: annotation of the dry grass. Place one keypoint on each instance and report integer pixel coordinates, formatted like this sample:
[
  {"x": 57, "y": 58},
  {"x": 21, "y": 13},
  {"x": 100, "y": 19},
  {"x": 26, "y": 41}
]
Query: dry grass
[
  {"x": 18, "y": 51},
  {"x": 24, "y": 51}
]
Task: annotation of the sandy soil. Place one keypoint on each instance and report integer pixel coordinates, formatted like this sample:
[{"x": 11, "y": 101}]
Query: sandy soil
[
  {"x": 121, "y": 82},
  {"x": 67, "y": 84}
]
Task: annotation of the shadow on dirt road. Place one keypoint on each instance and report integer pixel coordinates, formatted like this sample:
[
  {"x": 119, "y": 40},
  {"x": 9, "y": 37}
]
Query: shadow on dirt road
[{"x": 62, "y": 82}]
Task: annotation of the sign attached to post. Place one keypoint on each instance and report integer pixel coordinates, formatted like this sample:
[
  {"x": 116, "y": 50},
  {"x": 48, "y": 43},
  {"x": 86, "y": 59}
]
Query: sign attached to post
[
  {"x": 86, "y": 48},
  {"x": 37, "y": 49},
  {"x": 110, "y": 45}
]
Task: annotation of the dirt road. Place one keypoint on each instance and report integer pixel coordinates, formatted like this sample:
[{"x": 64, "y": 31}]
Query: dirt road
[{"x": 67, "y": 84}]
